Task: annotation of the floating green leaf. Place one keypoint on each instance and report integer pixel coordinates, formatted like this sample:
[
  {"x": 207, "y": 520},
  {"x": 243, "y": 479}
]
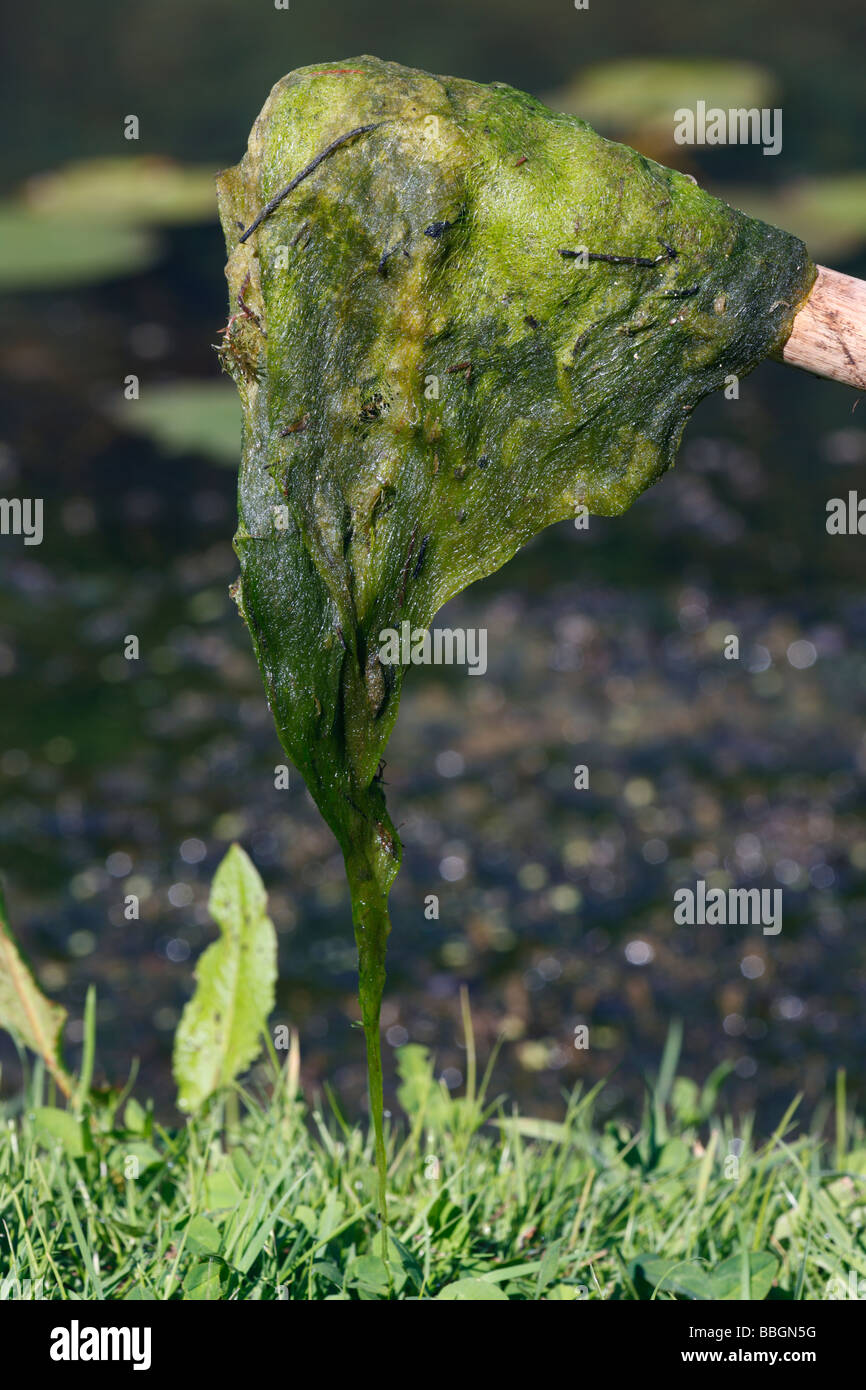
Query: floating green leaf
[
  {"x": 187, "y": 417},
  {"x": 431, "y": 373},
  {"x": 146, "y": 190},
  {"x": 46, "y": 253},
  {"x": 219, "y": 1034},
  {"x": 34, "y": 1020},
  {"x": 89, "y": 222},
  {"x": 639, "y": 96},
  {"x": 828, "y": 211}
]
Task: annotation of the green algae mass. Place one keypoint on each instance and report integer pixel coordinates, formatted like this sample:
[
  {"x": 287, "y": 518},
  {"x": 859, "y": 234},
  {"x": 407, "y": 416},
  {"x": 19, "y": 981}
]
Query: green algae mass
[{"x": 430, "y": 374}]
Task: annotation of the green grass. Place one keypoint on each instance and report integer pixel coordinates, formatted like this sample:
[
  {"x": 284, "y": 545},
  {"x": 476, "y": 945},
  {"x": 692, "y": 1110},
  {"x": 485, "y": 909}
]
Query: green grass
[{"x": 261, "y": 1197}]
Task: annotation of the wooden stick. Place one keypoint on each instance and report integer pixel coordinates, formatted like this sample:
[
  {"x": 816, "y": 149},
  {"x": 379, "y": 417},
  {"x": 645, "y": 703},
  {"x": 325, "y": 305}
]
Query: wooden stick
[{"x": 829, "y": 333}]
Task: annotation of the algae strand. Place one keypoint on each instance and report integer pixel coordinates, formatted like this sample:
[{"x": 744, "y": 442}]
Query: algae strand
[{"x": 415, "y": 301}]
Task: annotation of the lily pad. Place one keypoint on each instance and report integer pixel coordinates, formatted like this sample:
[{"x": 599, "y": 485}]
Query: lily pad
[
  {"x": 186, "y": 417},
  {"x": 48, "y": 253},
  {"x": 141, "y": 190},
  {"x": 828, "y": 211},
  {"x": 638, "y": 96}
]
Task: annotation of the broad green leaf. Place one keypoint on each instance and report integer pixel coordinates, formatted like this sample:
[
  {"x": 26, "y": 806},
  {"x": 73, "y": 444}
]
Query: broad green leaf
[
  {"x": 221, "y": 1190},
  {"x": 726, "y": 1277},
  {"x": 326, "y": 1269},
  {"x": 219, "y": 1034},
  {"x": 664, "y": 1275},
  {"x": 368, "y": 1272},
  {"x": 245, "y": 1169},
  {"x": 203, "y": 1281},
  {"x": 471, "y": 1291},
  {"x": 308, "y": 1218},
  {"x": 405, "y": 1268},
  {"x": 331, "y": 1215},
  {"x": 55, "y": 1126},
  {"x": 35, "y": 1021},
  {"x": 203, "y": 1237}
]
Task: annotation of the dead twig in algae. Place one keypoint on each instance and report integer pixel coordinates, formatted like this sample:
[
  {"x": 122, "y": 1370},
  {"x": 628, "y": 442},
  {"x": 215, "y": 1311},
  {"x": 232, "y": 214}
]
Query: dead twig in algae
[
  {"x": 668, "y": 254},
  {"x": 465, "y": 367},
  {"x": 421, "y": 553},
  {"x": 305, "y": 173}
]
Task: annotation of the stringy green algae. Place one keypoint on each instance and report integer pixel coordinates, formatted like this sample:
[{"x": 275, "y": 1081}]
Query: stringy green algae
[{"x": 427, "y": 382}]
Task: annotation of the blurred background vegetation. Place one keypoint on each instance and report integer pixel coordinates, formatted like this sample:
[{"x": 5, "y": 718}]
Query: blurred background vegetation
[{"x": 605, "y": 646}]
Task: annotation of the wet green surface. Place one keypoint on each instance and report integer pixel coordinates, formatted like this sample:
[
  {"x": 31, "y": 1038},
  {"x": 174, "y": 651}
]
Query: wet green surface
[{"x": 371, "y": 490}]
